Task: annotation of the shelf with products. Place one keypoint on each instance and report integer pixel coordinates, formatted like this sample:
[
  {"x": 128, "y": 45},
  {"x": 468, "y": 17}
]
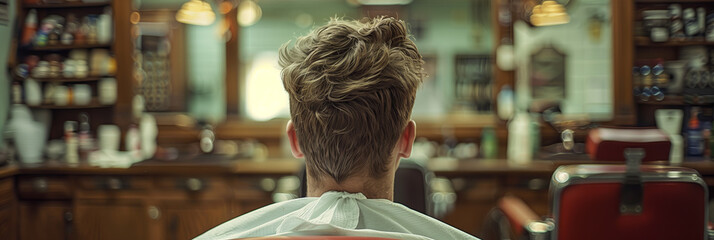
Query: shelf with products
[
  {"x": 77, "y": 4},
  {"x": 66, "y": 60},
  {"x": 672, "y": 41},
  {"x": 67, "y": 47},
  {"x": 94, "y": 103},
  {"x": 65, "y": 80},
  {"x": 642, "y": 41}
]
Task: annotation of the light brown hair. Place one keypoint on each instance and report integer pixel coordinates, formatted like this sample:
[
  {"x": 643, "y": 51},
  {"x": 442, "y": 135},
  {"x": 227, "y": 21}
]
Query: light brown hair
[{"x": 352, "y": 86}]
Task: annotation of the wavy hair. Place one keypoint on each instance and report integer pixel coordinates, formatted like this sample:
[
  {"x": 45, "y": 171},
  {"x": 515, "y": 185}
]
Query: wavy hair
[{"x": 352, "y": 86}]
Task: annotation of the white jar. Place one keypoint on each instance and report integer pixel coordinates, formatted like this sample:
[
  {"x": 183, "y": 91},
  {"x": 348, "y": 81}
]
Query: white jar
[
  {"x": 61, "y": 95},
  {"x": 69, "y": 68},
  {"x": 42, "y": 70},
  {"x": 81, "y": 69},
  {"x": 33, "y": 92},
  {"x": 81, "y": 94},
  {"x": 107, "y": 90}
]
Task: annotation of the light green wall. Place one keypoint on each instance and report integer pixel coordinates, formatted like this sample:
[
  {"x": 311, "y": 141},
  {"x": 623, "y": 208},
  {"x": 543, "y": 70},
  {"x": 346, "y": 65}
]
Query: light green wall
[
  {"x": 588, "y": 79},
  {"x": 206, "y": 54},
  {"x": 450, "y": 27},
  {"x": 6, "y": 33},
  {"x": 205, "y": 63}
]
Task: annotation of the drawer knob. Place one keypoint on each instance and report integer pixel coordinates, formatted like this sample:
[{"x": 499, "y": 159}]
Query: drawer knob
[
  {"x": 154, "y": 212},
  {"x": 40, "y": 185},
  {"x": 194, "y": 184},
  {"x": 68, "y": 216},
  {"x": 114, "y": 184}
]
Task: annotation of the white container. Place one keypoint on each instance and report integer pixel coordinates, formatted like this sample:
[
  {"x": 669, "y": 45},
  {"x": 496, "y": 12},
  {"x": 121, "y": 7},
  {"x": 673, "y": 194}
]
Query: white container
[
  {"x": 82, "y": 94},
  {"x": 29, "y": 135},
  {"x": 109, "y": 136},
  {"x": 104, "y": 28},
  {"x": 33, "y": 92},
  {"x": 669, "y": 120},
  {"x": 107, "y": 90},
  {"x": 148, "y": 130},
  {"x": 520, "y": 150},
  {"x": 61, "y": 95}
]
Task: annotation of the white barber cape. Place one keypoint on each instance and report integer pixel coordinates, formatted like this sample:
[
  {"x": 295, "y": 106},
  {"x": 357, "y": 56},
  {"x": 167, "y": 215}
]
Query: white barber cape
[{"x": 336, "y": 213}]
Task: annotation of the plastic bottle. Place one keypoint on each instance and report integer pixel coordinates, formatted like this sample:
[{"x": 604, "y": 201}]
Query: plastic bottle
[
  {"x": 520, "y": 148},
  {"x": 695, "y": 145},
  {"x": 71, "y": 142},
  {"x": 28, "y": 32}
]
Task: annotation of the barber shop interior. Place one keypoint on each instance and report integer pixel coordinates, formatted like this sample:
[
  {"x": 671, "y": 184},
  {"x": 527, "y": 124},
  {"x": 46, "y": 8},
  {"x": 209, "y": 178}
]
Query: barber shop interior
[{"x": 356, "y": 119}]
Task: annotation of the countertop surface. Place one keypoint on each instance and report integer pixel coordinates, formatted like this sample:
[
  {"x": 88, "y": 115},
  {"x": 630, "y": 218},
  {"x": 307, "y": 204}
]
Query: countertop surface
[
  {"x": 446, "y": 167},
  {"x": 152, "y": 167}
]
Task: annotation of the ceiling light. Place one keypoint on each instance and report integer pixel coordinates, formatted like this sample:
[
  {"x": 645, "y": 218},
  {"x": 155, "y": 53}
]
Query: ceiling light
[
  {"x": 248, "y": 13},
  {"x": 384, "y": 2},
  {"x": 196, "y": 12}
]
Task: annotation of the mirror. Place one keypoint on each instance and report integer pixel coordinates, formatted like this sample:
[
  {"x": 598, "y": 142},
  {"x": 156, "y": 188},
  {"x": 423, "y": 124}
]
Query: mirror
[
  {"x": 179, "y": 67},
  {"x": 454, "y": 36},
  {"x": 585, "y": 44}
]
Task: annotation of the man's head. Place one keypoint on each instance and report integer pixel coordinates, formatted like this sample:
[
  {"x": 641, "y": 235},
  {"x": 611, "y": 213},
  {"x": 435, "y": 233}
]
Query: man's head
[{"x": 352, "y": 86}]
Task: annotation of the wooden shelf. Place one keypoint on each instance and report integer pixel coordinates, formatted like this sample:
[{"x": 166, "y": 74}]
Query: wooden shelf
[
  {"x": 668, "y": 101},
  {"x": 678, "y": 101},
  {"x": 645, "y": 42},
  {"x": 64, "y": 80},
  {"x": 673, "y": 1},
  {"x": 67, "y": 5},
  {"x": 67, "y": 47},
  {"x": 92, "y": 104}
]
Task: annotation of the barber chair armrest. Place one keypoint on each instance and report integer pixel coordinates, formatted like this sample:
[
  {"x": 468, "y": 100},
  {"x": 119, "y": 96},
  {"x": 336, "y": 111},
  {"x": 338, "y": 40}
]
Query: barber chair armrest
[{"x": 524, "y": 222}]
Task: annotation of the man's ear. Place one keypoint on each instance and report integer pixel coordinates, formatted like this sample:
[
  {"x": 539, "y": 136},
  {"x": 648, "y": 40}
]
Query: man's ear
[
  {"x": 294, "y": 144},
  {"x": 406, "y": 140}
]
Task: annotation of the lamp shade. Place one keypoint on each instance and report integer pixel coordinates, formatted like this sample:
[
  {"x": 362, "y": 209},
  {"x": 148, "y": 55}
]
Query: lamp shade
[
  {"x": 549, "y": 13},
  {"x": 196, "y": 12}
]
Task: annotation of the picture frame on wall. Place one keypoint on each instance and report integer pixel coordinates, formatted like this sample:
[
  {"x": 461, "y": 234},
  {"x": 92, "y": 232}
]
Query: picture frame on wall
[
  {"x": 547, "y": 74},
  {"x": 4, "y": 13}
]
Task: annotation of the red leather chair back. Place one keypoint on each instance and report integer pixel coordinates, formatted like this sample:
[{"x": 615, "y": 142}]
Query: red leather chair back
[{"x": 587, "y": 204}]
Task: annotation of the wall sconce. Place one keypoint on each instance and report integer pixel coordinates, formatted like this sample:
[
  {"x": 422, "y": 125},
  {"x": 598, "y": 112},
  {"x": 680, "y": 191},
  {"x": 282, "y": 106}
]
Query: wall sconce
[
  {"x": 196, "y": 12},
  {"x": 549, "y": 13}
]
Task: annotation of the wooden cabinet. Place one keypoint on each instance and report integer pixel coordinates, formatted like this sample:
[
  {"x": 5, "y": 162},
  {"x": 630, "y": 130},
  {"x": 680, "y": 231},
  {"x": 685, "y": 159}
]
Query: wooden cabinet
[
  {"x": 45, "y": 209},
  {"x": 637, "y": 50},
  {"x": 113, "y": 207},
  {"x": 186, "y": 220},
  {"x": 8, "y": 209},
  {"x": 122, "y": 206},
  {"x": 191, "y": 205},
  {"x": 46, "y": 220},
  {"x": 75, "y": 67},
  {"x": 113, "y": 218}
]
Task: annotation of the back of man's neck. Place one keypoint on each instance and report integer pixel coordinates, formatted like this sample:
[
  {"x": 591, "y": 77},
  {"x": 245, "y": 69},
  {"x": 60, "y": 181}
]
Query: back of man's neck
[{"x": 369, "y": 187}]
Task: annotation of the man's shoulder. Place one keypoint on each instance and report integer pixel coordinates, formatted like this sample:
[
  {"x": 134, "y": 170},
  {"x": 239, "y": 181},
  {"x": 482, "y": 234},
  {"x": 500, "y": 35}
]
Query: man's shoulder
[
  {"x": 403, "y": 219},
  {"x": 259, "y": 222}
]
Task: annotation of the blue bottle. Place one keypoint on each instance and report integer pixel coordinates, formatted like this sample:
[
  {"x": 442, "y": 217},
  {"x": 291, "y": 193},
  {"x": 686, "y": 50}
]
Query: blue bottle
[{"x": 695, "y": 143}]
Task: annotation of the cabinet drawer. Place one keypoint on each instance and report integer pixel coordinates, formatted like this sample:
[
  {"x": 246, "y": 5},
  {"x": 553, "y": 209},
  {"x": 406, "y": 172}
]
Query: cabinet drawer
[
  {"x": 252, "y": 188},
  {"x": 44, "y": 187},
  {"x": 7, "y": 194},
  {"x": 198, "y": 187},
  {"x": 114, "y": 183}
]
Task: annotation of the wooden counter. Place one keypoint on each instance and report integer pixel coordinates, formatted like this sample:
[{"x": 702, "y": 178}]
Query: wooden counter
[
  {"x": 200, "y": 195},
  {"x": 271, "y": 167}
]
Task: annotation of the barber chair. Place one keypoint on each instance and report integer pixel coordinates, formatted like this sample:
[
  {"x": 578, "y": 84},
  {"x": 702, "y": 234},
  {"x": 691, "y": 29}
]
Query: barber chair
[
  {"x": 411, "y": 185},
  {"x": 316, "y": 238},
  {"x": 617, "y": 202}
]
